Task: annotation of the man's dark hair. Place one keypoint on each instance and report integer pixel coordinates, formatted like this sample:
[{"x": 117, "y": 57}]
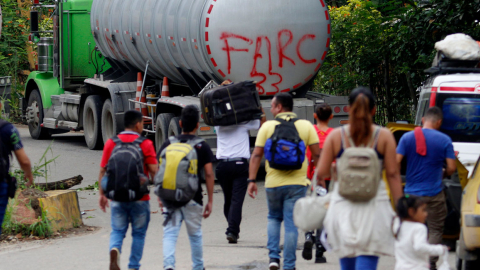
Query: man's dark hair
[
  {"x": 286, "y": 100},
  {"x": 323, "y": 112},
  {"x": 189, "y": 118},
  {"x": 131, "y": 118},
  {"x": 433, "y": 114}
]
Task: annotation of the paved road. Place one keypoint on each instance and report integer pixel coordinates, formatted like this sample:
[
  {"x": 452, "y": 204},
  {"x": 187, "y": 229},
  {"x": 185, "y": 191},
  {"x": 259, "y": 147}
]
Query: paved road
[{"x": 91, "y": 251}]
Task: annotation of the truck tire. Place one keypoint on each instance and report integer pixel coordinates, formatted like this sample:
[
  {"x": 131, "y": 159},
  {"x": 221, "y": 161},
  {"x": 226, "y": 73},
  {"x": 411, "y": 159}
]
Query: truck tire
[
  {"x": 35, "y": 104},
  {"x": 92, "y": 115},
  {"x": 161, "y": 128},
  {"x": 109, "y": 122},
  {"x": 174, "y": 128}
]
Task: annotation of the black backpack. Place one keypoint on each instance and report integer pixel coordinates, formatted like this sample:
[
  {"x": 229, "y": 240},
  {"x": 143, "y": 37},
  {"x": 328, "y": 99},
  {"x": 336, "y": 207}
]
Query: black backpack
[
  {"x": 285, "y": 150},
  {"x": 4, "y": 156},
  {"x": 125, "y": 172}
]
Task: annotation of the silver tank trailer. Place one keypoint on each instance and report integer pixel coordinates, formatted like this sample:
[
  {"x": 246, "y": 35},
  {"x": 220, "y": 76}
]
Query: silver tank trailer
[{"x": 281, "y": 44}]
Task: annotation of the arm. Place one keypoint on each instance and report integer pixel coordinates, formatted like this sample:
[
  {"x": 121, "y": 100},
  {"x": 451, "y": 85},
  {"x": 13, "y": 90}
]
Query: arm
[
  {"x": 210, "y": 181},
  {"x": 103, "y": 201},
  {"x": 315, "y": 152},
  {"x": 152, "y": 170},
  {"x": 391, "y": 165},
  {"x": 420, "y": 244},
  {"x": 451, "y": 167},
  {"x": 326, "y": 159},
  {"x": 264, "y": 118},
  {"x": 25, "y": 164},
  {"x": 255, "y": 160}
]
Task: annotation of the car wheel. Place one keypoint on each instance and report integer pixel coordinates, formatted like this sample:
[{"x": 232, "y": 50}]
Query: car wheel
[
  {"x": 35, "y": 116},
  {"x": 161, "y": 128},
  {"x": 92, "y": 115},
  {"x": 109, "y": 123}
]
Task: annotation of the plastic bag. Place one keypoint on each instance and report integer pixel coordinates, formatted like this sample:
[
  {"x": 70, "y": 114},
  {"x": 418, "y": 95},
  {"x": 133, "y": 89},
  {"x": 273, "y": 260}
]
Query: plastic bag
[
  {"x": 444, "y": 261},
  {"x": 459, "y": 47}
]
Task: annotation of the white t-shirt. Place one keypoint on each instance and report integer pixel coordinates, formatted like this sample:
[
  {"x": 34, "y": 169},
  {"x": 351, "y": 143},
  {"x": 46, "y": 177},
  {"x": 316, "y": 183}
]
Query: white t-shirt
[
  {"x": 234, "y": 141},
  {"x": 412, "y": 248}
]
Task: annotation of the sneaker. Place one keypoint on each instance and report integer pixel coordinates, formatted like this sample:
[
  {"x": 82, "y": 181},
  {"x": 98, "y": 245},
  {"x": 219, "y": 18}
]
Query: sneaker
[
  {"x": 274, "y": 264},
  {"x": 321, "y": 259},
  {"x": 307, "y": 247},
  {"x": 114, "y": 259},
  {"x": 232, "y": 239}
]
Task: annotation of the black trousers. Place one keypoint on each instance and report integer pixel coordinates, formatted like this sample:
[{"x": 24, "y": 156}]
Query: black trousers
[{"x": 233, "y": 176}]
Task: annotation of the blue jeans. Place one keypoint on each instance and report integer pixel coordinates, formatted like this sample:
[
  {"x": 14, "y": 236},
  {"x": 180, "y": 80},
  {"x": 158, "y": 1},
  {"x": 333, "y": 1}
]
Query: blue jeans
[
  {"x": 191, "y": 214},
  {"x": 3, "y": 202},
  {"x": 359, "y": 263},
  {"x": 138, "y": 214},
  {"x": 280, "y": 208}
]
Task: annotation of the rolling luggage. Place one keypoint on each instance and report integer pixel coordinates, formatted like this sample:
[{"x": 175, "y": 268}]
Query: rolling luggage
[{"x": 231, "y": 104}]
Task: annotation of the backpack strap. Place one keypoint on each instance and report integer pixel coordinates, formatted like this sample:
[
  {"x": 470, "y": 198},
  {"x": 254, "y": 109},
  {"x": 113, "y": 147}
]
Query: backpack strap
[
  {"x": 195, "y": 141},
  {"x": 344, "y": 143},
  {"x": 349, "y": 137},
  {"x": 117, "y": 140},
  {"x": 139, "y": 140},
  {"x": 173, "y": 140},
  {"x": 374, "y": 140}
]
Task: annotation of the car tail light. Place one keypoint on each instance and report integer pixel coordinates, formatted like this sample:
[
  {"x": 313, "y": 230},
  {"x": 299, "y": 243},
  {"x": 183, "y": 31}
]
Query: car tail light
[
  {"x": 337, "y": 109},
  {"x": 346, "y": 109},
  {"x": 478, "y": 195},
  {"x": 433, "y": 97}
]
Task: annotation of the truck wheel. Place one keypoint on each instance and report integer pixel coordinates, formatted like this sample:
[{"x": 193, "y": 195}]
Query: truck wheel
[
  {"x": 161, "y": 128},
  {"x": 174, "y": 127},
  {"x": 109, "y": 123},
  {"x": 92, "y": 115},
  {"x": 35, "y": 116}
]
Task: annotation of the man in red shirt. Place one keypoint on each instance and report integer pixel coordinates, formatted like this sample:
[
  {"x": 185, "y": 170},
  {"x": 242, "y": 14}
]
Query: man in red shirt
[{"x": 135, "y": 212}]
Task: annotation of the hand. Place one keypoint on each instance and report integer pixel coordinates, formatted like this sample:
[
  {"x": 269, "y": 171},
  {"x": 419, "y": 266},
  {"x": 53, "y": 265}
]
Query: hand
[
  {"x": 321, "y": 182},
  {"x": 208, "y": 210},
  {"x": 252, "y": 190},
  {"x": 29, "y": 183},
  {"x": 103, "y": 202},
  {"x": 160, "y": 202}
]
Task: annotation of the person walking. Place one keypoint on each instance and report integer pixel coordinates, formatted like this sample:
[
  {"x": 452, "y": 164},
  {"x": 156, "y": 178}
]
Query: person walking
[
  {"x": 233, "y": 154},
  {"x": 411, "y": 246},
  {"x": 127, "y": 211},
  {"x": 10, "y": 143},
  {"x": 426, "y": 150},
  {"x": 360, "y": 232},
  {"x": 191, "y": 213},
  {"x": 323, "y": 115},
  {"x": 283, "y": 187}
]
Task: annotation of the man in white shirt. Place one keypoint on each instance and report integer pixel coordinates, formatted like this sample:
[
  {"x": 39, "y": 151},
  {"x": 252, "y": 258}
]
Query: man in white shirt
[{"x": 233, "y": 152}]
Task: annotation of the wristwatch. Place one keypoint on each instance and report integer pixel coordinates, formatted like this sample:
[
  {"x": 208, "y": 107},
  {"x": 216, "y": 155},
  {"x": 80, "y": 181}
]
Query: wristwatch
[{"x": 250, "y": 181}]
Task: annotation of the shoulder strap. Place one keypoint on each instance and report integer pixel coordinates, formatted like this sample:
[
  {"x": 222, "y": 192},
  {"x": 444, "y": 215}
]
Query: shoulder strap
[
  {"x": 195, "y": 141},
  {"x": 139, "y": 140},
  {"x": 173, "y": 140},
  {"x": 374, "y": 140},
  {"x": 349, "y": 137},
  {"x": 343, "y": 137},
  {"x": 117, "y": 140}
]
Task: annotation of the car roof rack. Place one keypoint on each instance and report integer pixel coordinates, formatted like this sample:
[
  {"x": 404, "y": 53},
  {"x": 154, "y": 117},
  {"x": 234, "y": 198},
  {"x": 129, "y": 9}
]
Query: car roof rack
[
  {"x": 444, "y": 65},
  {"x": 450, "y": 70}
]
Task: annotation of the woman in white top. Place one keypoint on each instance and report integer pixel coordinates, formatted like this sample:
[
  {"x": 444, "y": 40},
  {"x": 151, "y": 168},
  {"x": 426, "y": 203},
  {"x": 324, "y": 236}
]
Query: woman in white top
[
  {"x": 360, "y": 232},
  {"x": 412, "y": 249}
]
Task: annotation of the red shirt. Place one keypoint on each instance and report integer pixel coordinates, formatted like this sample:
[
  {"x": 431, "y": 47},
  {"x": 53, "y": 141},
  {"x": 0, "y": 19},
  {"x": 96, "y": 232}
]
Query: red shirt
[
  {"x": 149, "y": 155},
  {"x": 322, "y": 136}
]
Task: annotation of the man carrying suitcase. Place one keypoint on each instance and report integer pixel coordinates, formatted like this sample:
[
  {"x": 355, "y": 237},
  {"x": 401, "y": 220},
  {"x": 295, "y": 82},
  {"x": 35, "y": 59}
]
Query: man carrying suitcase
[
  {"x": 233, "y": 153},
  {"x": 283, "y": 141}
]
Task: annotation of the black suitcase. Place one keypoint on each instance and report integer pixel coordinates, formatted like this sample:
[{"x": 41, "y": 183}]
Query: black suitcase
[{"x": 231, "y": 104}]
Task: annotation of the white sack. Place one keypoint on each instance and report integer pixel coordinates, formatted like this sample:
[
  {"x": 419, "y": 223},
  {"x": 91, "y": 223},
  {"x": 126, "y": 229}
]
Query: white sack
[{"x": 459, "y": 47}]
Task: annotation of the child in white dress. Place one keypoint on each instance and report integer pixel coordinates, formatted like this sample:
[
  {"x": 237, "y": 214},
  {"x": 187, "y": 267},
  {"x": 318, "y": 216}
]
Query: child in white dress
[{"x": 412, "y": 249}]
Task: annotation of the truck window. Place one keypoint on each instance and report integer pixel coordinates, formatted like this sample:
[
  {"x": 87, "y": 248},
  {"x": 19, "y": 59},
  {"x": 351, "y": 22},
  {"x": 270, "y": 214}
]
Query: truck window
[{"x": 461, "y": 116}]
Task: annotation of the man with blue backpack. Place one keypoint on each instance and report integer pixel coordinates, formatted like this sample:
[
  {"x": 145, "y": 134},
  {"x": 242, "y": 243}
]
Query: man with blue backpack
[
  {"x": 284, "y": 142},
  {"x": 128, "y": 160}
]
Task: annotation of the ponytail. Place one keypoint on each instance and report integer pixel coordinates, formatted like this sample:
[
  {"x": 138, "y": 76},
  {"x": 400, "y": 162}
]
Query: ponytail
[
  {"x": 360, "y": 120},
  {"x": 404, "y": 203}
]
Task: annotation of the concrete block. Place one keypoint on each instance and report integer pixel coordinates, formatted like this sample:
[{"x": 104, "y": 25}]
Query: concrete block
[{"x": 62, "y": 209}]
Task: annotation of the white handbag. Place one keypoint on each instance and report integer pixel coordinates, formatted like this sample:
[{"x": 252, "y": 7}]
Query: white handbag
[{"x": 310, "y": 211}]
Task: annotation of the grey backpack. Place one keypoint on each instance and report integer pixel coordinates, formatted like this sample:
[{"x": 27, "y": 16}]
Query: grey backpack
[
  {"x": 359, "y": 169},
  {"x": 177, "y": 179}
]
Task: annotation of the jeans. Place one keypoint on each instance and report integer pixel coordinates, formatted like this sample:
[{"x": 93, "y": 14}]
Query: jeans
[
  {"x": 138, "y": 214},
  {"x": 192, "y": 215},
  {"x": 437, "y": 213},
  {"x": 280, "y": 208},
  {"x": 233, "y": 177},
  {"x": 359, "y": 263},
  {"x": 3, "y": 202}
]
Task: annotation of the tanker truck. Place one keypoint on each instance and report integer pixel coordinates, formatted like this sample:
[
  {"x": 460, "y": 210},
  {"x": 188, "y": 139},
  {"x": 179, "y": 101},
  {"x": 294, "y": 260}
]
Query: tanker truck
[{"x": 88, "y": 73}]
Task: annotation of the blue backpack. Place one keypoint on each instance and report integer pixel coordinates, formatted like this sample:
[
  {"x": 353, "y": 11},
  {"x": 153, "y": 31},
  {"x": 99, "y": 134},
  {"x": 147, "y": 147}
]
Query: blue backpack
[{"x": 285, "y": 150}]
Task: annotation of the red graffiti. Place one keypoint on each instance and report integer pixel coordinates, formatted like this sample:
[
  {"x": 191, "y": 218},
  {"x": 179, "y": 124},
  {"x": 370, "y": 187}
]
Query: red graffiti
[
  {"x": 228, "y": 49},
  {"x": 111, "y": 46},
  {"x": 281, "y": 48},
  {"x": 306, "y": 61},
  {"x": 257, "y": 55}
]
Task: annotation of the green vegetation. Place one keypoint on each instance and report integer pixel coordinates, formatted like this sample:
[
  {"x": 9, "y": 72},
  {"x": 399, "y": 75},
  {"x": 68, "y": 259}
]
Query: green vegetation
[{"x": 387, "y": 45}]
